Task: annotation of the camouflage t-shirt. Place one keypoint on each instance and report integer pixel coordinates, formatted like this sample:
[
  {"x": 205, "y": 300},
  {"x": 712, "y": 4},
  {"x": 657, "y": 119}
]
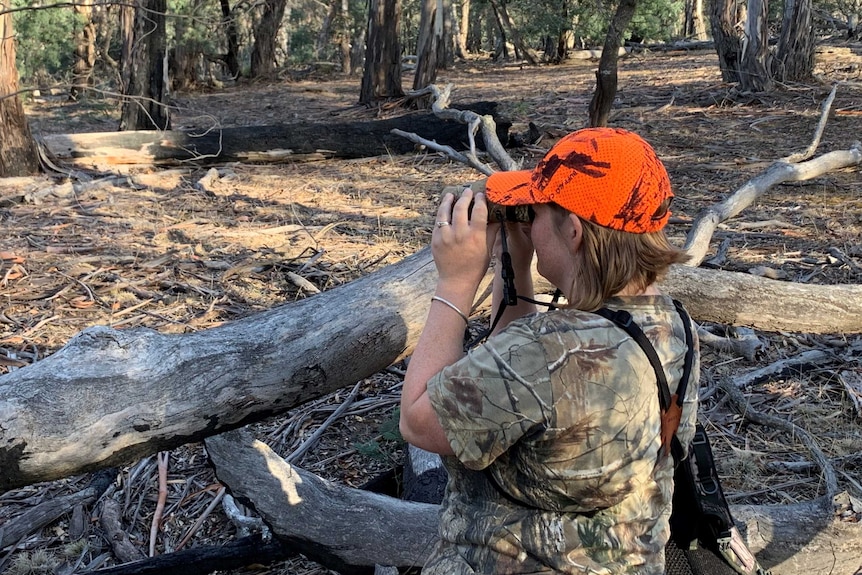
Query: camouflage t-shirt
[{"x": 555, "y": 426}]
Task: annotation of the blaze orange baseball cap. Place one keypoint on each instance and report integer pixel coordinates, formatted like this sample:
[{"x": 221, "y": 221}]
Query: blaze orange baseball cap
[{"x": 609, "y": 176}]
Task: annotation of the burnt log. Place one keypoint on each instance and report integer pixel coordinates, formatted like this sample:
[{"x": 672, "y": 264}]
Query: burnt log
[{"x": 300, "y": 141}]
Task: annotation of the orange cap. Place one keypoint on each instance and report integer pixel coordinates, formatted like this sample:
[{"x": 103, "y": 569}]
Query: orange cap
[{"x": 609, "y": 176}]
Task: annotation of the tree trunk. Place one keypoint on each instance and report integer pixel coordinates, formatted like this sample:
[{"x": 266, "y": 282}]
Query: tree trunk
[
  {"x": 381, "y": 78},
  {"x": 18, "y": 153},
  {"x": 344, "y": 37},
  {"x": 754, "y": 73},
  {"x": 463, "y": 30},
  {"x": 183, "y": 57},
  {"x": 265, "y": 36},
  {"x": 606, "y": 76},
  {"x": 85, "y": 50},
  {"x": 144, "y": 105},
  {"x": 429, "y": 47},
  {"x": 512, "y": 33},
  {"x": 231, "y": 57},
  {"x": 694, "y": 27},
  {"x": 110, "y": 396},
  {"x": 723, "y": 22},
  {"x": 795, "y": 58}
]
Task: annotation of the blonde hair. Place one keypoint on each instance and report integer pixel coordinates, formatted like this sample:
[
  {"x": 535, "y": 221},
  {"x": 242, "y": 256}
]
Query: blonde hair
[{"x": 610, "y": 260}]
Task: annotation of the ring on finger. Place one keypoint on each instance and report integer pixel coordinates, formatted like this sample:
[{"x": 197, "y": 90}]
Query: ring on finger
[{"x": 441, "y": 224}]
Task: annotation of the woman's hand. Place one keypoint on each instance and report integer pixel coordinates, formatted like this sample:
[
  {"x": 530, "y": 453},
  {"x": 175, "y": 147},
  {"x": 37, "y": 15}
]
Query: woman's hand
[{"x": 460, "y": 242}]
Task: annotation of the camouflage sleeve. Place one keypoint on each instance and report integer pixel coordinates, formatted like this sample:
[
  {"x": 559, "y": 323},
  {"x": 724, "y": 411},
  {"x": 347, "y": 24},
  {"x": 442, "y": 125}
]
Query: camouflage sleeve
[{"x": 494, "y": 396}]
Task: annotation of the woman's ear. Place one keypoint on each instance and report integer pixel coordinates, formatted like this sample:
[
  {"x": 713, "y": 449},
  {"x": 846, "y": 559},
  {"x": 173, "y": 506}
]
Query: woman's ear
[{"x": 575, "y": 231}]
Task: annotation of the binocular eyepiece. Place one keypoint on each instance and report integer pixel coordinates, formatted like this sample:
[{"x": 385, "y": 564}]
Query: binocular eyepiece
[{"x": 498, "y": 213}]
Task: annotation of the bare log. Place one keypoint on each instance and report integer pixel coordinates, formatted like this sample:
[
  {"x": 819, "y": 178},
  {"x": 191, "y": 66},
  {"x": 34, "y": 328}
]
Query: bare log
[
  {"x": 342, "y": 528},
  {"x": 769, "y": 305},
  {"x": 112, "y": 396}
]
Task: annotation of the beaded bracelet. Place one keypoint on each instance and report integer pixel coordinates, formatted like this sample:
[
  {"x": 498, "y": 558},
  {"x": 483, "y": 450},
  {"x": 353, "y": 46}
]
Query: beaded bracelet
[{"x": 452, "y": 305}]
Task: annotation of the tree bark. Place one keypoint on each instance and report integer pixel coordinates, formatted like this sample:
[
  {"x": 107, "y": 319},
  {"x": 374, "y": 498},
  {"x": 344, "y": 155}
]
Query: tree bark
[
  {"x": 606, "y": 76},
  {"x": 429, "y": 46},
  {"x": 360, "y": 529},
  {"x": 18, "y": 153},
  {"x": 111, "y": 396},
  {"x": 795, "y": 58},
  {"x": 754, "y": 68},
  {"x": 265, "y": 35},
  {"x": 231, "y": 57},
  {"x": 85, "y": 50},
  {"x": 381, "y": 78},
  {"x": 297, "y": 142},
  {"x": 723, "y": 22},
  {"x": 145, "y": 95}
]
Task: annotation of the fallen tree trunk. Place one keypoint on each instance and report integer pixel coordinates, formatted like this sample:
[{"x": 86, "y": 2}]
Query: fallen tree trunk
[
  {"x": 360, "y": 529},
  {"x": 301, "y": 141},
  {"x": 111, "y": 396},
  {"x": 350, "y": 528}
]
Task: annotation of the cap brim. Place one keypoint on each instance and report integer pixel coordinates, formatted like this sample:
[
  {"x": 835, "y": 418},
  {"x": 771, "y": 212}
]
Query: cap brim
[{"x": 514, "y": 188}]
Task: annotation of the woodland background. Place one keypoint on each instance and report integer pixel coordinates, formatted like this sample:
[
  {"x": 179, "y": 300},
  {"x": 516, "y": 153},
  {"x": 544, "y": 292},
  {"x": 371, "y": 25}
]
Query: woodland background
[{"x": 189, "y": 247}]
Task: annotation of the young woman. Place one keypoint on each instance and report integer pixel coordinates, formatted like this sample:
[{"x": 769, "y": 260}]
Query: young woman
[{"x": 551, "y": 430}]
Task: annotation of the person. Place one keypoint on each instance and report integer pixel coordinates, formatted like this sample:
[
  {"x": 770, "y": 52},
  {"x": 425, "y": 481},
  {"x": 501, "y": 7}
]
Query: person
[{"x": 550, "y": 431}]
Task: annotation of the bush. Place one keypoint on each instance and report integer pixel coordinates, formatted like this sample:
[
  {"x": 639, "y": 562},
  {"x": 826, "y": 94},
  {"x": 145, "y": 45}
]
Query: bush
[{"x": 46, "y": 42}]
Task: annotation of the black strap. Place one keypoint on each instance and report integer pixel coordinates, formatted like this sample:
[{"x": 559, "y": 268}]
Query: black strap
[
  {"x": 689, "y": 351},
  {"x": 624, "y": 320}
]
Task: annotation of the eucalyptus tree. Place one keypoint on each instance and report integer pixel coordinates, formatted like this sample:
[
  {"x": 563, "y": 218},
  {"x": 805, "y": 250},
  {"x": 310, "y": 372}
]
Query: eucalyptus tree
[
  {"x": 381, "y": 77},
  {"x": 18, "y": 154},
  {"x": 265, "y": 36},
  {"x": 143, "y": 66}
]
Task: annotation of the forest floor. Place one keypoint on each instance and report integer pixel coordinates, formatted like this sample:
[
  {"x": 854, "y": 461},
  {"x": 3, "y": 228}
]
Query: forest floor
[{"x": 156, "y": 250}]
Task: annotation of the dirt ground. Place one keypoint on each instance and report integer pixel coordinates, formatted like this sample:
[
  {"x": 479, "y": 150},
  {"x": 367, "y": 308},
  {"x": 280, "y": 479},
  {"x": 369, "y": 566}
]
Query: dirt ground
[{"x": 155, "y": 249}]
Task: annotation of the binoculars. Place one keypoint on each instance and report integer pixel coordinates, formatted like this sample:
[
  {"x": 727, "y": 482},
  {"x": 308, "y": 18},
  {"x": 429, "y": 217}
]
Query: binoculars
[{"x": 496, "y": 212}]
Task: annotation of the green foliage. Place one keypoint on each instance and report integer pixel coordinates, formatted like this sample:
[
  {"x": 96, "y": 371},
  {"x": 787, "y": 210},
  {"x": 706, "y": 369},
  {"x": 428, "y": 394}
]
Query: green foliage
[
  {"x": 387, "y": 442},
  {"x": 657, "y": 20},
  {"x": 45, "y": 42}
]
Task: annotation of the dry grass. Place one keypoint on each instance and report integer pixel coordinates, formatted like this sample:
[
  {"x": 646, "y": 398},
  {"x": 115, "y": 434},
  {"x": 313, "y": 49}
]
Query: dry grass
[{"x": 154, "y": 250}]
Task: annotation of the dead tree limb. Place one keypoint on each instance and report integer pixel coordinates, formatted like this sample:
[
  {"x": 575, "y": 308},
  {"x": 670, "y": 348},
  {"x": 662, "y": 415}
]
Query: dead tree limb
[
  {"x": 342, "y": 528},
  {"x": 697, "y": 242}
]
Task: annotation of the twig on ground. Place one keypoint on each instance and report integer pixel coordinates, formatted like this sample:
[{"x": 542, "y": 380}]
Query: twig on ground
[
  {"x": 197, "y": 525},
  {"x": 48, "y": 511},
  {"x": 309, "y": 443},
  {"x": 796, "y": 363},
  {"x": 160, "y": 502},
  {"x": 746, "y": 345},
  {"x": 740, "y": 403},
  {"x": 124, "y": 550}
]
